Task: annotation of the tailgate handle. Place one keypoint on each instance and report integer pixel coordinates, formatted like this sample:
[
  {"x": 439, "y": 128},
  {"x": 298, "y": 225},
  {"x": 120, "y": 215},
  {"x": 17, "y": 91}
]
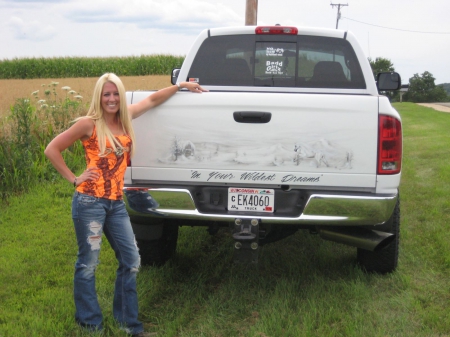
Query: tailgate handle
[{"x": 252, "y": 116}]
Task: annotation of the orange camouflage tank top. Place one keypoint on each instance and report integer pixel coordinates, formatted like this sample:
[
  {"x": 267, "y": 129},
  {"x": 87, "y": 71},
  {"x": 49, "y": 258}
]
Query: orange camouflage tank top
[{"x": 111, "y": 167}]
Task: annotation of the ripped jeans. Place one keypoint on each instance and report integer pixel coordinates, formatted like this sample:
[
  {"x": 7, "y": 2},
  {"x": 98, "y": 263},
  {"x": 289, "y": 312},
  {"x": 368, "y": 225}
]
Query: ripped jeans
[{"x": 93, "y": 216}]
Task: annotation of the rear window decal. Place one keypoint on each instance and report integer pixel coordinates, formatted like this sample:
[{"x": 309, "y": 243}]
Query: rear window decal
[
  {"x": 270, "y": 51},
  {"x": 274, "y": 67}
]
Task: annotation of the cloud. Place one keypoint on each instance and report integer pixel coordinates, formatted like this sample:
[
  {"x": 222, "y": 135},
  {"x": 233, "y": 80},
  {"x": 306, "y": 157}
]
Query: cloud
[
  {"x": 33, "y": 31},
  {"x": 35, "y": 1},
  {"x": 168, "y": 15}
]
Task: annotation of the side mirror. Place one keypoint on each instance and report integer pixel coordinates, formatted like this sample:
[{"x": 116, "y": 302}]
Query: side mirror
[
  {"x": 175, "y": 73},
  {"x": 388, "y": 81}
]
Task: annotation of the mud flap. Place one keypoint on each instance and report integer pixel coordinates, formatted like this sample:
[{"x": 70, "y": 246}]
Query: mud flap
[{"x": 246, "y": 246}]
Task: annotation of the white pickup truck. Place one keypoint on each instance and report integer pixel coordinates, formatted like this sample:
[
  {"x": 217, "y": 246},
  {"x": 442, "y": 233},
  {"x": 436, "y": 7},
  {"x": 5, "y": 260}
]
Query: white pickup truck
[{"x": 293, "y": 134}]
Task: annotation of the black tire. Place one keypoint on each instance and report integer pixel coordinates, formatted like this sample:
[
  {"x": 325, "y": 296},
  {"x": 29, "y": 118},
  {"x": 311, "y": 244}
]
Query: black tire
[
  {"x": 157, "y": 252},
  {"x": 385, "y": 260}
]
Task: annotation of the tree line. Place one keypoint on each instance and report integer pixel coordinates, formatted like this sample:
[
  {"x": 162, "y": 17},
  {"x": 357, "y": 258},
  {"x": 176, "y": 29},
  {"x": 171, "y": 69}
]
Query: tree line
[{"x": 421, "y": 88}]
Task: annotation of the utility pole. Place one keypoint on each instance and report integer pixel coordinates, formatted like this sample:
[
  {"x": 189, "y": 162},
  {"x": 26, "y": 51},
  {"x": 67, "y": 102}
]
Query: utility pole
[
  {"x": 338, "y": 12},
  {"x": 251, "y": 13}
]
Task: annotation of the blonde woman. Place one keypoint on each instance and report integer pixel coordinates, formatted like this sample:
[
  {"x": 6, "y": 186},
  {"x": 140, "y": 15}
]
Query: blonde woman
[{"x": 107, "y": 136}]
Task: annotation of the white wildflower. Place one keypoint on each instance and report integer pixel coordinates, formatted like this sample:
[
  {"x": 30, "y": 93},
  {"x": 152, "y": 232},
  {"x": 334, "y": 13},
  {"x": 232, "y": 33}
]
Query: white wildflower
[
  {"x": 54, "y": 83},
  {"x": 72, "y": 92},
  {"x": 35, "y": 92},
  {"x": 78, "y": 97},
  {"x": 66, "y": 88},
  {"x": 41, "y": 101}
]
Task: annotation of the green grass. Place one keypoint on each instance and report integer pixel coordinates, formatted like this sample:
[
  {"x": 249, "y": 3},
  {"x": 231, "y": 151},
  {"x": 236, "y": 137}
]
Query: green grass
[{"x": 303, "y": 286}]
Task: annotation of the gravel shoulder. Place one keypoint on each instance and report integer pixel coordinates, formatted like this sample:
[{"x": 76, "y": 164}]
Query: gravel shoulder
[{"x": 445, "y": 107}]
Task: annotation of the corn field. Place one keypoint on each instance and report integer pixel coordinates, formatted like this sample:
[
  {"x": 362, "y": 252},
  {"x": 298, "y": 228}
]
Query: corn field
[{"x": 28, "y": 68}]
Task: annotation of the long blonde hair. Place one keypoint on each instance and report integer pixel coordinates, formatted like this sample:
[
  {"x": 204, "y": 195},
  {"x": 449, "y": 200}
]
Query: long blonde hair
[{"x": 96, "y": 112}]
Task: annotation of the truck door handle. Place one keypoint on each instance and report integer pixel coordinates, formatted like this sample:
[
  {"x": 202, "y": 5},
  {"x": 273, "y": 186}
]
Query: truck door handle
[{"x": 252, "y": 117}]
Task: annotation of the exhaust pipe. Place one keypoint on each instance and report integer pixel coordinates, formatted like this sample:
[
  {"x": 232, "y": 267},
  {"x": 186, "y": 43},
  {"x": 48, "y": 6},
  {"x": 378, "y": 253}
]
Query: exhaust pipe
[{"x": 358, "y": 237}]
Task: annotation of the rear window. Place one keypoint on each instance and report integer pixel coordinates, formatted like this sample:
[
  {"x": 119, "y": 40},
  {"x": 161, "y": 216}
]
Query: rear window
[{"x": 302, "y": 61}]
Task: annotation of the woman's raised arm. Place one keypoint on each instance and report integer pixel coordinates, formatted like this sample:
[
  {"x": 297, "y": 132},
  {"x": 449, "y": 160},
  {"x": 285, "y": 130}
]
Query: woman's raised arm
[{"x": 160, "y": 97}]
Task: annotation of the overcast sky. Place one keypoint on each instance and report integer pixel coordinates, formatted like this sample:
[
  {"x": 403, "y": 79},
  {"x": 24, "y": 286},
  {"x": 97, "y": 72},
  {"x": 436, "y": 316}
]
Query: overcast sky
[{"x": 413, "y": 34}]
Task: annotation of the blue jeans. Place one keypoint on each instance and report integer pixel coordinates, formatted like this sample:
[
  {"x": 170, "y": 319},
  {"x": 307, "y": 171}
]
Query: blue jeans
[{"x": 93, "y": 216}]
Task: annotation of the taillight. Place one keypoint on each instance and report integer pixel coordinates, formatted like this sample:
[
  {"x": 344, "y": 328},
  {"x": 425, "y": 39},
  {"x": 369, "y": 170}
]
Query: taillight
[
  {"x": 276, "y": 30},
  {"x": 389, "y": 145}
]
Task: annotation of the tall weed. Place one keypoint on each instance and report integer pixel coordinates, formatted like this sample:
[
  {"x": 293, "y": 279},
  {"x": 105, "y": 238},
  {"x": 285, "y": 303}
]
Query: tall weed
[{"x": 31, "y": 125}]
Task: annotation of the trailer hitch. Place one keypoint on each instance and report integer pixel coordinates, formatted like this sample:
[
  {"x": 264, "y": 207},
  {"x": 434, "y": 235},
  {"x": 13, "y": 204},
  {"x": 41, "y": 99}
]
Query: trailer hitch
[{"x": 246, "y": 234}]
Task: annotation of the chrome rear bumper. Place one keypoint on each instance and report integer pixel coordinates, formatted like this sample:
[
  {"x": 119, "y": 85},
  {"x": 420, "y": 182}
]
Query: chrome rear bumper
[{"x": 324, "y": 209}]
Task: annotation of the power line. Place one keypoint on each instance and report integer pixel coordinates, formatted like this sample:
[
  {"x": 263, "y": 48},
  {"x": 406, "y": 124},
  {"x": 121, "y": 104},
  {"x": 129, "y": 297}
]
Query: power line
[{"x": 403, "y": 30}]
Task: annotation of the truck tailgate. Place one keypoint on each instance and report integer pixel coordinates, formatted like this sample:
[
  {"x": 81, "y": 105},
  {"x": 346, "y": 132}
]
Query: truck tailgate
[{"x": 195, "y": 138}]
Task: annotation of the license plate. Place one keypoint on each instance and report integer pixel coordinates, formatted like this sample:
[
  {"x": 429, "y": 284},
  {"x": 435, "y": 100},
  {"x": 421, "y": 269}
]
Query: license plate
[{"x": 251, "y": 200}]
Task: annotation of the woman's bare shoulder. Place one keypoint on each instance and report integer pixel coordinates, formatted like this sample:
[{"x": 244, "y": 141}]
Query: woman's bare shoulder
[{"x": 84, "y": 127}]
